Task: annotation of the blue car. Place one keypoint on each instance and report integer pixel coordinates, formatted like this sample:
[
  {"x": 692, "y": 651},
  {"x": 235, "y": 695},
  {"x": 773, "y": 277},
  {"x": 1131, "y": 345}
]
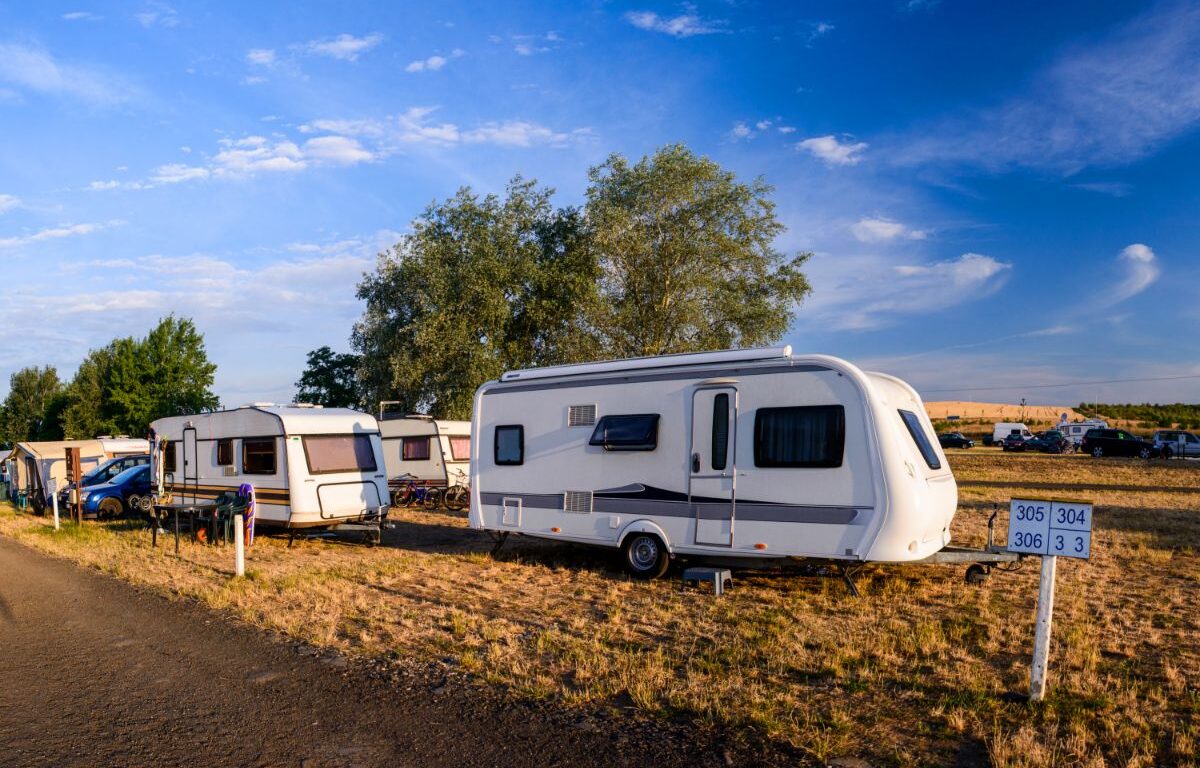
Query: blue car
[
  {"x": 117, "y": 496},
  {"x": 103, "y": 474}
]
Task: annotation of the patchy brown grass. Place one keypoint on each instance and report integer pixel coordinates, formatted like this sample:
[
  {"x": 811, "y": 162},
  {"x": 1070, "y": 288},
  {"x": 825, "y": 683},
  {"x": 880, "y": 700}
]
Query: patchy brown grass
[{"x": 915, "y": 672}]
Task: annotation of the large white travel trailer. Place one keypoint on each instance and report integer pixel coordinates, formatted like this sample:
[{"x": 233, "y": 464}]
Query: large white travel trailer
[
  {"x": 742, "y": 454},
  {"x": 1075, "y": 430},
  {"x": 310, "y": 467},
  {"x": 429, "y": 449}
]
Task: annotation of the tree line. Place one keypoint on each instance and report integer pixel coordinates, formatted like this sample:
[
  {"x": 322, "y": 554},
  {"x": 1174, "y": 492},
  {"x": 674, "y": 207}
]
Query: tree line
[
  {"x": 671, "y": 253},
  {"x": 118, "y": 389},
  {"x": 1185, "y": 415}
]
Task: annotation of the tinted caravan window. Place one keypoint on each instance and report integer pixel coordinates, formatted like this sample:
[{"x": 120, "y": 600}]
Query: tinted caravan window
[
  {"x": 510, "y": 445},
  {"x": 169, "y": 457},
  {"x": 339, "y": 453},
  {"x": 632, "y": 432},
  {"x": 800, "y": 436},
  {"x": 414, "y": 449},
  {"x": 460, "y": 447},
  {"x": 258, "y": 456},
  {"x": 720, "y": 431},
  {"x": 913, "y": 422},
  {"x": 225, "y": 452}
]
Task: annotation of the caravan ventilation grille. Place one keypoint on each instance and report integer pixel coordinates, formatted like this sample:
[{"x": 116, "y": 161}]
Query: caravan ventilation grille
[
  {"x": 581, "y": 415},
  {"x": 578, "y": 502}
]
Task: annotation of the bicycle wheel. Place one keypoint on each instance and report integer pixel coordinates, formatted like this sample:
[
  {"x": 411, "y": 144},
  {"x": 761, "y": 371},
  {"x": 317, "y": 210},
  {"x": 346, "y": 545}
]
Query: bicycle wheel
[
  {"x": 433, "y": 498},
  {"x": 457, "y": 498}
]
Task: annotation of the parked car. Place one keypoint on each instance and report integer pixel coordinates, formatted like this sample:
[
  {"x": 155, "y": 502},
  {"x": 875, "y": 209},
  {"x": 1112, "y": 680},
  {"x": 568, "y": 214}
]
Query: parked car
[
  {"x": 1050, "y": 441},
  {"x": 1015, "y": 442},
  {"x": 118, "y": 495},
  {"x": 1116, "y": 442},
  {"x": 1169, "y": 444},
  {"x": 955, "y": 440},
  {"x": 104, "y": 473}
]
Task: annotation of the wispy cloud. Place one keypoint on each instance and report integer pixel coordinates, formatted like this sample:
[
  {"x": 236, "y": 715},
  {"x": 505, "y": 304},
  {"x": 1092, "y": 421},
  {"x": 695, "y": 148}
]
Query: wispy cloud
[
  {"x": 687, "y": 24},
  {"x": 818, "y": 29},
  {"x": 262, "y": 57},
  {"x": 345, "y": 47},
  {"x": 433, "y": 63},
  {"x": 53, "y": 233},
  {"x": 416, "y": 128},
  {"x": 878, "y": 230},
  {"x": 1103, "y": 104},
  {"x": 1110, "y": 188},
  {"x": 81, "y": 16},
  {"x": 34, "y": 69},
  {"x": 8, "y": 202},
  {"x": 157, "y": 15},
  {"x": 832, "y": 150},
  {"x": 743, "y": 129},
  {"x": 1140, "y": 269}
]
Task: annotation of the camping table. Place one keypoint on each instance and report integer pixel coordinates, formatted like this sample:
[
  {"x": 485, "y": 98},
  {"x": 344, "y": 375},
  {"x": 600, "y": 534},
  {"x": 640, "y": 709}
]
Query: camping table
[{"x": 191, "y": 509}]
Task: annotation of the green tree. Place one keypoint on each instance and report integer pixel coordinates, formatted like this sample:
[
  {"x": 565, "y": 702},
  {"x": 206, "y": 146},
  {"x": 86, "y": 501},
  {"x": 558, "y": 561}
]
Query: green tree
[
  {"x": 23, "y": 414},
  {"x": 89, "y": 410},
  {"x": 481, "y": 285},
  {"x": 330, "y": 379},
  {"x": 687, "y": 257}
]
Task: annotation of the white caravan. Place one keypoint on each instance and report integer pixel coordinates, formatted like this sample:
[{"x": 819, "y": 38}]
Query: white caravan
[
  {"x": 1005, "y": 428},
  {"x": 429, "y": 449},
  {"x": 310, "y": 466},
  {"x": 1075, "y": 430},
  {"x": 744, "y": 454}
]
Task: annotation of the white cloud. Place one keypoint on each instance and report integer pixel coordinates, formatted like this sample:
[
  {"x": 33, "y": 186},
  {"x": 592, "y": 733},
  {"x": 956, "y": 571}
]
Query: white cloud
[
  {"x": 786, "y": 129},
  {"x": 515, "y": 133},
  {"x": 242, "y": 157},
  {"x": 868, "y": 292},
  {"x": 372, "y": 128},
  {"x": 414, "y": 128},
  {"x": 877, "y": 230},
  {"x": 174, "y": 173},
  {"x": 344, "y": 47},
  {"x": 740, "y": 131},
  {"x": 1141, "y": 269},
  {"x": 1104, "y": 104},
  {"x": 818, "y": 29},
  {"x": 832, "y": 150},
  {"x": 263, "y": 57},
  {"x": 336, "y": 150},
  {"x": 99, "y": 186},
  {"x": 8, "y": 202},
  {"x": 52, "y": 233},
  {"x": 157, "y": 14},
  {"x": 34, "y": 69},
  {"x": 432, "y": 64},
  {"x": 686, "y": 24},
  {"x": 81, "y": 16}
]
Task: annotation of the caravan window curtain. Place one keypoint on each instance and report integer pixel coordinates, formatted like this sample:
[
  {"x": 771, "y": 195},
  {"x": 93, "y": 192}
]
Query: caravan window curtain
[
  {"x": 414, "y": 449},
  {"x": 460, "y": 447},
  {"x": 258, "y": 456},
  {"x": 339, "y": 453},
  {"x": 800, "y": 436}
]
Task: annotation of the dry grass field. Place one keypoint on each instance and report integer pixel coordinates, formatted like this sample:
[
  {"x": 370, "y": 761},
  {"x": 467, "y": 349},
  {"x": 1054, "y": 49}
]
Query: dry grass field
[
  {"x": 968, "y": 410},
  {"x": 921, "y": 670}
]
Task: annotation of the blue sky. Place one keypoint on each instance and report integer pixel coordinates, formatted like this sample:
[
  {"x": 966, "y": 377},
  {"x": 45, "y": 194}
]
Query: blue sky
[{"x": 997, "y": 194}]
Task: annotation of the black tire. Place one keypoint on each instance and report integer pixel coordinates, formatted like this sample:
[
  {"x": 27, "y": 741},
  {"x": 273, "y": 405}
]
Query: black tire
[
  {"x": 1097, "y": 452},
  {"x": 110, "y": 509},
  {"x": 1145, "y": 453},
  {"x": 977, "y": 573},
  {"x": 457, "y": 499},
  {"x": 645, "y": 556},
  {"x": 433, "y": 498}
]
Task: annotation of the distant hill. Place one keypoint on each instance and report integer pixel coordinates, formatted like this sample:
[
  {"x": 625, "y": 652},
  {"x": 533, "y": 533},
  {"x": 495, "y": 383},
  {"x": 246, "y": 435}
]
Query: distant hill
[{"x": 971, "y": 411}]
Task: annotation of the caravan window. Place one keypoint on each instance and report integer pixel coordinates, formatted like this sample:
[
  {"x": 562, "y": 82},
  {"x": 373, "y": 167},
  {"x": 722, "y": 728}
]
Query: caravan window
[
  {"x": 258, "y": 456},
  {"x": 632, "y": 432},
  {"x": 339, "y": 453},
  {"x": 720, "y": 431},
  {"x": 800, "y": 436},
  {"x": 460, "y": 447},
  {"x": 510, "y": 445},
  {"x": 225, "y": 452},
  {"x": 913, "y": 422},
  {"x": 414, "y": 448},
  {"x": 169, "y": 458}
]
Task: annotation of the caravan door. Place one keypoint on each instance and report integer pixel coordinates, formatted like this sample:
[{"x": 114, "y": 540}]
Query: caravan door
[
  {"x": 190, "y": 463},
  {"x": 712, "y": 478}
]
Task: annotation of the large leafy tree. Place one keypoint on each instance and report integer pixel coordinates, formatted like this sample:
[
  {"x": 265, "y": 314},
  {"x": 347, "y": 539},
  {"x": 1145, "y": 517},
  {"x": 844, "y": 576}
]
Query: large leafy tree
[
  {"x": 32, "y": 393},
  {"x": 481, "y": 285},
  {"x": 687, "y": 257},
  {"x": 330, "y": 379}
]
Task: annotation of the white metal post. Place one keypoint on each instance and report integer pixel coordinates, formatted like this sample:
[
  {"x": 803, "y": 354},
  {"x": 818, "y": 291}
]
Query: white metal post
[
  {"x": 54, "y": 502},
  {"x": 239, "y": 545},
  {"x": 1041, "y": 635}
]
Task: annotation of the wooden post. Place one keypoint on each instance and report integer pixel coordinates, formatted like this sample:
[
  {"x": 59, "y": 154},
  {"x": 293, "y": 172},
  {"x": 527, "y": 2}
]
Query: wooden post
[
  {"x": 1041, "y": 635},
  {"x": 239, "y": 545},
  {"x": 75, "y": 475}
]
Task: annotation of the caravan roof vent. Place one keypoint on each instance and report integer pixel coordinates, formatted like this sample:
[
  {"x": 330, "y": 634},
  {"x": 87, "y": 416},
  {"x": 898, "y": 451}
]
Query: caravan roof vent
[{"x": 581, "y": 415}]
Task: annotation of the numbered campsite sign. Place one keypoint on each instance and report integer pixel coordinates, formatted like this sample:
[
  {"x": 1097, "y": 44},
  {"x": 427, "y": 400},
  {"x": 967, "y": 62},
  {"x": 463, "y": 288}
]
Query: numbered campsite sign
[{"x": 1040, "y": 527}]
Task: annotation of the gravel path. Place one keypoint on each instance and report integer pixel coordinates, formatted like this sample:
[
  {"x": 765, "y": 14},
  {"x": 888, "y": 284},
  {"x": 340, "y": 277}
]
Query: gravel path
[{"x": 96, "y": 672}]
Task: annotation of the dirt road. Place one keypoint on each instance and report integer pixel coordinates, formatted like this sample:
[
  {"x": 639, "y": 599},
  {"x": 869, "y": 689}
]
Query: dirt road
[{"x": 94, "y": 672}]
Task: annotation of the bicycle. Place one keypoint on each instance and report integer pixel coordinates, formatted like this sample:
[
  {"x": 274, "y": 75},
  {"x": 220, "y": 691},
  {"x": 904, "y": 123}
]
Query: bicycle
[
  {"x": 411, "y": 492},
  {"x": 458, "y": 496}
]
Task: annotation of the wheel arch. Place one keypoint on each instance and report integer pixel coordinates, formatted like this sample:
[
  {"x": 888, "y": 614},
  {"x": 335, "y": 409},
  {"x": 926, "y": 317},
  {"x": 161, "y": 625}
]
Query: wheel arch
[{"x": 646, "y": 526}]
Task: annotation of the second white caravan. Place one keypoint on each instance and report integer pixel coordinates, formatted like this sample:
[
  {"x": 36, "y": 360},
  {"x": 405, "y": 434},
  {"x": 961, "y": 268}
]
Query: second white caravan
[{"x": 737, "y": 454}]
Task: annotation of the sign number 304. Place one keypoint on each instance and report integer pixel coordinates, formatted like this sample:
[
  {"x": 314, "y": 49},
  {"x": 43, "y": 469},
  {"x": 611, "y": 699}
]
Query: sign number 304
[{"x": 1041, "y": 527}]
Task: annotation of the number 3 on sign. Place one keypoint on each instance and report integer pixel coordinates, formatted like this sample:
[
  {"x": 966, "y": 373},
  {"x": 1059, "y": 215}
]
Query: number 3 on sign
[{"x": 1070, "y": 543}]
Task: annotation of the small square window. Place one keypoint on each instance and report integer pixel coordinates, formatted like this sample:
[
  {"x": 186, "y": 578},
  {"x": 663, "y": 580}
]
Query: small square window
[
  {"x": 225, "y": 452},
  {"x": 414, "y": 449},
  {"x": 510, "y": 445},
  {"x": 258, "y": 456}
]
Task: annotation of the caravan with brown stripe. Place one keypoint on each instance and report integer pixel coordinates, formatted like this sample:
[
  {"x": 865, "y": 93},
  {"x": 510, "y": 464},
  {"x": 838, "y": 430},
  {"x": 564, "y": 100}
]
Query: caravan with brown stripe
[{"x": 311, "y": 467}]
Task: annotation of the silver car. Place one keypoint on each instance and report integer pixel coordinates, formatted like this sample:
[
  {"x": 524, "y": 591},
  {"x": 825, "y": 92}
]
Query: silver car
[{"x": 1175, "y": 442}]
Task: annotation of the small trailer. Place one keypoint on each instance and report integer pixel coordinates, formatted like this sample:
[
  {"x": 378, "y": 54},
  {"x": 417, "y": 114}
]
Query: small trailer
[
  {"x": 433, "y": 451},
  {"x": 1075, "y": 430},
  {"x": 739, "y": 456},
  {"x": 311, "y": 467}
]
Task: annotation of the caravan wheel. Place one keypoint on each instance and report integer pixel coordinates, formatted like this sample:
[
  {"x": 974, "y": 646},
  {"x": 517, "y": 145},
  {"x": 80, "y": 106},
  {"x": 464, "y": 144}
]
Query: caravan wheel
[{"x": 645, "y": 556}]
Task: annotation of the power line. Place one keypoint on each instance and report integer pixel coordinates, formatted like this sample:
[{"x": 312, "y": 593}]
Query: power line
[{"x": 1064, "y": 384}]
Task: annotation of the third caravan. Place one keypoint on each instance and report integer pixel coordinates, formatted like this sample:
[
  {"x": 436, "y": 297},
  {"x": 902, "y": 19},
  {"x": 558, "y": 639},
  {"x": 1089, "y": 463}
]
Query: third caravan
[{"x": 738, "y": 454}]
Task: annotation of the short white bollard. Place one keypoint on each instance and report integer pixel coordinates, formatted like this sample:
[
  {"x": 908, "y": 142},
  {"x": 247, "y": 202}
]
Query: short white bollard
[
  {"x": 54, "y": 502},
  {"x": 239, "y": 545}
]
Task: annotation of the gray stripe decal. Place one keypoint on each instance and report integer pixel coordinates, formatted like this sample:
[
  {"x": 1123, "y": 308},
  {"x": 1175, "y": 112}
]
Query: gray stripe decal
[
  {"x": 502, "y": 387},
  {"x": 774, "y": 513}
]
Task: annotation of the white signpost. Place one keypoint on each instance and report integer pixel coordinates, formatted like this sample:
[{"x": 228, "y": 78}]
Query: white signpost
[{"x": 1050, "y": 529}]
